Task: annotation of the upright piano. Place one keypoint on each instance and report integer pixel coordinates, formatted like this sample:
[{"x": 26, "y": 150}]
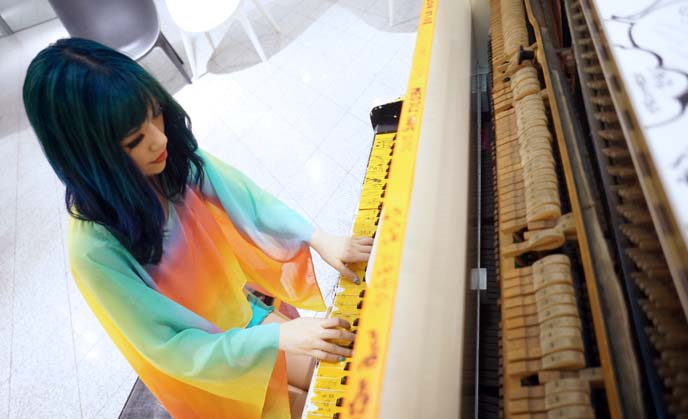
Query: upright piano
[{"x": 529, "y": 204}]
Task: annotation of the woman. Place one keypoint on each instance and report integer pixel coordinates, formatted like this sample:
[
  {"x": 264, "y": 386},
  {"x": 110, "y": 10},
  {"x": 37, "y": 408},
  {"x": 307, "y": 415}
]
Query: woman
[{"x": 163, "y": 239}]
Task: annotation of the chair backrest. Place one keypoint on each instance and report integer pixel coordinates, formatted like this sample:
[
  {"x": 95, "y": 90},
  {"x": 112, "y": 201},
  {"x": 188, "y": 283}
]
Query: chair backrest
[{"x": 129, "y": 26}]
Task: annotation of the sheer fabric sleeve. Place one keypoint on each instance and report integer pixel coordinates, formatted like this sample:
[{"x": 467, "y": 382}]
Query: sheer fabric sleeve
[
  {"x": 272, "y": 241},
  {"x": 274, "y": 227},
  {"x": 153, "y": 331}
]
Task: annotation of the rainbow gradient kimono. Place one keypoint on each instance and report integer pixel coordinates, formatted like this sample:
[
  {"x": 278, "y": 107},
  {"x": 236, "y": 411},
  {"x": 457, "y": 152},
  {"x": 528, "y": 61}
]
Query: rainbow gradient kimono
[{"x": 182, "y": 324}]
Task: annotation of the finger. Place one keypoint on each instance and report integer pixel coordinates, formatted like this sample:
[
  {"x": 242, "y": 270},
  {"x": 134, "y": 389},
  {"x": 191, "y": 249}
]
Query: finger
[
  {"x": 332, "y": 348},
  {"x": 357, "y": 257},
  {"x": 363, "y": 240},
  {"x": 337, "y": 334},
  {"x": 335, "y": 322},
  {"x": 324, "y": 356},
  {"x": 347, "y": 273},
  {"x": 363, "y": 247}
]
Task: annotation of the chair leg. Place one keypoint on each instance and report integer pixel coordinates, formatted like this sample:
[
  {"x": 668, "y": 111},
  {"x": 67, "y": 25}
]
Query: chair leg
[
  {"x": 210, "y": 40},
  {"x": 190, "y": 53},
  {"x": 173, "y": 56},
  {"x": 251, "y": 34},
  {"x": 390, "y": 11},
  {"x": 264, "y": 12}
]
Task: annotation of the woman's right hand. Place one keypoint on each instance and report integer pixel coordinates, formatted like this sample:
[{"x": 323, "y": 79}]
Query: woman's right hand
[{"x": 308, "y": 336}]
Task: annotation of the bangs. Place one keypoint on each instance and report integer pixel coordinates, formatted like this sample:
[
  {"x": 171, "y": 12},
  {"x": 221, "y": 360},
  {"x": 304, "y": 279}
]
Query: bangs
[{"x": 127, "y": 101}]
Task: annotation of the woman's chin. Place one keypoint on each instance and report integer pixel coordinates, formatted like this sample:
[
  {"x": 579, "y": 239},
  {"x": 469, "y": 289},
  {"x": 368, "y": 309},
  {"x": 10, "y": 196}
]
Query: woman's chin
[{"x": 155, "y": 168}]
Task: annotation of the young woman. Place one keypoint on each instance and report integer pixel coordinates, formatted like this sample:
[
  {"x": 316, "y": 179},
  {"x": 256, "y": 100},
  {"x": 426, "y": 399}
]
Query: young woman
[{"x": 163, "y": 238}]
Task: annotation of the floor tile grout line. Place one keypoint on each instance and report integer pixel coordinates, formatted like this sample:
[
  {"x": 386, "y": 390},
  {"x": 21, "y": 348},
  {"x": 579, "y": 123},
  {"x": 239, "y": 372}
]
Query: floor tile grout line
[
  {"x": 313, "y": 216},
  {"x": 292, "y": 126},
  {"x": 240, "y": 138},
  {"x": 329, "y": 197}
]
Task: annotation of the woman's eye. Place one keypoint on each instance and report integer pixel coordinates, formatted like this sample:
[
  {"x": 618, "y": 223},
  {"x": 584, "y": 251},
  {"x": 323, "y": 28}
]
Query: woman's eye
[
  {"x": 157, "y": 111},
  {"x": 136, "y": 141}
]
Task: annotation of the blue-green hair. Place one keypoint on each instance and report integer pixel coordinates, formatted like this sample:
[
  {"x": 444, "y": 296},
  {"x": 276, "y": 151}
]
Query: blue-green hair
[{"x": 82, "y": 99}]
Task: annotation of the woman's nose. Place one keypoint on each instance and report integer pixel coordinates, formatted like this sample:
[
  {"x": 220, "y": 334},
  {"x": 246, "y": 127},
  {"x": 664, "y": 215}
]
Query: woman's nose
[{"x": 160, "y": 140}]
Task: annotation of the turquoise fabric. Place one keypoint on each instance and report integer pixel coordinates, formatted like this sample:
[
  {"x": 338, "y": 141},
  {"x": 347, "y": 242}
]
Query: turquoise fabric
[{"x": 260, "y": 310}]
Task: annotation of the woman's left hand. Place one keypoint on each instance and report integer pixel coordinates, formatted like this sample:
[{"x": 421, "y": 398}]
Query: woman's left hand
[{"x": 339, "y": 250}]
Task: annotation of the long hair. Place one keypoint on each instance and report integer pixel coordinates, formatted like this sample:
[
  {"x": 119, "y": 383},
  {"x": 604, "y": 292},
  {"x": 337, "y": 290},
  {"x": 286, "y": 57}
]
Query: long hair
[{"x": 82, "y": 99}]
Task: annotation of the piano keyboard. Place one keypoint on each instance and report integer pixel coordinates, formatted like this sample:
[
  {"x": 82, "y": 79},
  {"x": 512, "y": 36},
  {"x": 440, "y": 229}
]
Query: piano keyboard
[{"x": 326, "y": 394}]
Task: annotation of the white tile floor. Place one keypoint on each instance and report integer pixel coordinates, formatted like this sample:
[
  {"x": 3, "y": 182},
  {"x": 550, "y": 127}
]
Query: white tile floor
[{"x": 297, "y": 124}]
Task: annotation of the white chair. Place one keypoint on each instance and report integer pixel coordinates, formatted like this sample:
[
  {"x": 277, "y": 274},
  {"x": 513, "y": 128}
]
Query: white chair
[{"x": 206, "y": 15}]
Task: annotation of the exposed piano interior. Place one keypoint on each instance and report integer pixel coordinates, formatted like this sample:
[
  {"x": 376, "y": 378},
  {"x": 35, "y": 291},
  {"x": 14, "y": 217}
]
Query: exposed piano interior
[
  {"x": 591, "y": 321},
  {"x": 530, "y": 267}
]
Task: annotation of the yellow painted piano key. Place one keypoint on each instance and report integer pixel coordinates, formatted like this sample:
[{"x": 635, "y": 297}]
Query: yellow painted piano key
[
  {"x": 350, "y": 286},
  {"x": 383, "y": 153},
  {"x": 364, "y": 230},
  {"x": 366, "y": 222},
  {"x": 348, "y": 313},
  {"x": 373, "y": 185},
  {"x": 321, "y": 416},
  {"x": 326, "y": 396},
  {"x": 367, "y": 216},
  {"x": 347, "y": 298},
  {"x": 347, "y": 301},
  {"x": 328, "y": 369},
  {"x": 384, "y": 140},
  {"x": 325, "y": 408},
  {"x": 327, "y": 372},
  {"x": 354, "y": 290},
  {"x": 370, "y": 201},
  {"x": 330, "y": 384},
  {"x": 371, "y": 181},
  {"x": 378, "y": 165}
]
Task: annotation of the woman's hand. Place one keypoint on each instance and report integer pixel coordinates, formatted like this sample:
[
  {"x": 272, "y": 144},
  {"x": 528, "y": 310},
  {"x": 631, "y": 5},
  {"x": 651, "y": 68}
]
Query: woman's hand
[
  {"x": 307, "y": 336},
  {"x": 338, "y": 250}
]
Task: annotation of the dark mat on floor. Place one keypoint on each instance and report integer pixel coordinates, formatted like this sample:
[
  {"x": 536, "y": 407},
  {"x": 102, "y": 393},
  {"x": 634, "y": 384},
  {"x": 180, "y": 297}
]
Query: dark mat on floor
[{"x": 141, "y": 404}]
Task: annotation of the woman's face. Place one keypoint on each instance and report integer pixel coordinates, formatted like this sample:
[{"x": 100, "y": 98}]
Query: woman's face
[{"x": 147, "y": 146}]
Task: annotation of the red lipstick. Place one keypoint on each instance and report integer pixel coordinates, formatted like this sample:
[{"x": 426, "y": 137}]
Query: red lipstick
[{"x": 162, "y": 157}]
